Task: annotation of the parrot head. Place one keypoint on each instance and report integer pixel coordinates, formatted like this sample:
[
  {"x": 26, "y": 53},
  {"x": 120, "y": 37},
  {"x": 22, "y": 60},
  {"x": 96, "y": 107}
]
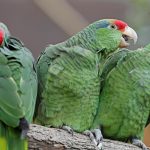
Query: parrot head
[
  {"x": 112, "y": 34},
  {"x": 126, "y": 31},
  {"x": 4, "y": 33}
]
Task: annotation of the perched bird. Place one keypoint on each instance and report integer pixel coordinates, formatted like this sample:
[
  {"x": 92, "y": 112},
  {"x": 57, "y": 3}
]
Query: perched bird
[
  {"x": 18, "y": 89},
  {"x": 124, "y": 107},
  {"x": 69, "y": 74}
]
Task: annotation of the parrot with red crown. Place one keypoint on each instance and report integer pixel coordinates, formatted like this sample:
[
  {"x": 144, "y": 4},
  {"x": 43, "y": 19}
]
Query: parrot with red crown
[
  {"x": 18, "y": 90},
  {"x": 69, "y": 76}
]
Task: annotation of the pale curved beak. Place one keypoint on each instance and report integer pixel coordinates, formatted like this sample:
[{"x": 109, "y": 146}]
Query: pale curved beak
[{"x": 129, "y": 33}]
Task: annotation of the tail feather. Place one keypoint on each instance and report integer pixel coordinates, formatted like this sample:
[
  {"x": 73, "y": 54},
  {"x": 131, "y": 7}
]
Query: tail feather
[{"x": 10, "y": 139}]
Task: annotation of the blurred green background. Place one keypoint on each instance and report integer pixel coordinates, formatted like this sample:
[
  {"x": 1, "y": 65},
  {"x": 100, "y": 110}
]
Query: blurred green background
[{"x": 41, "y": 22}]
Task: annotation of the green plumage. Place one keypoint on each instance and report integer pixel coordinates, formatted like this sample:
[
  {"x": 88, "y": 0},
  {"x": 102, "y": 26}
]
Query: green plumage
[
  {"x": 69, "y": 77},
  {"x": 124, "y": 106},
  {"x": 18, "y": 88},
  {"x": 71, "y": 89}
]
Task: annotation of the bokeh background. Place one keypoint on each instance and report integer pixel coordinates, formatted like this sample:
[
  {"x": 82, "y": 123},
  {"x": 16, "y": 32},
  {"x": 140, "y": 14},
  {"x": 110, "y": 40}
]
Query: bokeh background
[{"x": 41, "y": 22}]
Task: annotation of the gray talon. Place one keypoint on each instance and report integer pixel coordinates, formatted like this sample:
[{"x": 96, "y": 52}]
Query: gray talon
[
  {"x": 95, "y": 136},
  {"x": 100, "y": 146},
  {"x": 90, "y": 135},
  {"x": 98, "y": 135},
  {"x": 139, "y": 143},
  {"x": 68, "y": 129}
]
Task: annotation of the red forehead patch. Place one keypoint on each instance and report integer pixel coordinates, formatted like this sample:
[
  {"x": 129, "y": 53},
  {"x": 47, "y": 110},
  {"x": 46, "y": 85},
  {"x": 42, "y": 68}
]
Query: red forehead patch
[
  {"x": 120, "y": 24},
  {"x": 1, "y": 36}
]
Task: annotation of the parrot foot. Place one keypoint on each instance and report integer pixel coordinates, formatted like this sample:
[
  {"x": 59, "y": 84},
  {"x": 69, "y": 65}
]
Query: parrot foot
[
  {"x": 24, "y": 127},
  {"x": 139, "y": 143},
  {"x": 68, "y": 129},
  {"x": 95, "y": 136}
]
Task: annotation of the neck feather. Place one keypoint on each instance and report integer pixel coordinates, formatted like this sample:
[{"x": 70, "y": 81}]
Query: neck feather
[{"x": 85, "y": 38}]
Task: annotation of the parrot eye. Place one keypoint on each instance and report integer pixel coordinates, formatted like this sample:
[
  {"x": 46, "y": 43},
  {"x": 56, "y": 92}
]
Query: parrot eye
[{"x": 112, "y": 26}]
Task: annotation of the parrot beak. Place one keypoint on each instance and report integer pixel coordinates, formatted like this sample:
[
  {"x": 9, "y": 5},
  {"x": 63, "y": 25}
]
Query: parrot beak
[{"x": 129, "y": 33}]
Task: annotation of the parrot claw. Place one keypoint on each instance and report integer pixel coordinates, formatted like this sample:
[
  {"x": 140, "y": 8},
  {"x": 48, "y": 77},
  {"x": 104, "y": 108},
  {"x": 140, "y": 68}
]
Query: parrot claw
[
  {"x": 139, "y": 143},
  {"x": 100, "y": 146},
  {"x": 68, "y": 129},
  {"x": 98, "y": 135},
  {"x": 95, "y": 136}
]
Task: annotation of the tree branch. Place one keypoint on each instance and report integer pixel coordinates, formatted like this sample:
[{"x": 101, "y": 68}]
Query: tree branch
[{"x": 43, "y": 138}]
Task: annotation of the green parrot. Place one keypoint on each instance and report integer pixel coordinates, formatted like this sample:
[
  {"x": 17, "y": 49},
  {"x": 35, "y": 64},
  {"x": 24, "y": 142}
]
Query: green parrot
[
  {"x": 18, "y": 89},
  {"x": 124, "y": 107},
  {"x": 69, "y": 75}
]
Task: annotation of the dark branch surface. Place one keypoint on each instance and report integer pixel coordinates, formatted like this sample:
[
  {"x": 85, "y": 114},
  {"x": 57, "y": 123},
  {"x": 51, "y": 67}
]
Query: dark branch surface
[{"x": 43, "y": 138}]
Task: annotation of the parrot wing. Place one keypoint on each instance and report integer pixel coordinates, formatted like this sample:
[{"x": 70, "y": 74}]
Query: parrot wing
[
  {"x": 16, "y": 73},
  {"x": 111, "y": 63},
  {"x": 10, "y": 102},
  {"x": 124, "y": 99},
  {"x": 68, "y": 80}
]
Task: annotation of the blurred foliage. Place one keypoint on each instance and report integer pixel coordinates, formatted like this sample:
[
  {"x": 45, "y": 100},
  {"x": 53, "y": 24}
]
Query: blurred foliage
[
  {"x": 138, "y": 15},
  {"x": 140, "y": 12}
]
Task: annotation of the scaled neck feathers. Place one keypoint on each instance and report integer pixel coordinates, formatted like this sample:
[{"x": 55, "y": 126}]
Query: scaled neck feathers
[{"x": 85, "y": 39}]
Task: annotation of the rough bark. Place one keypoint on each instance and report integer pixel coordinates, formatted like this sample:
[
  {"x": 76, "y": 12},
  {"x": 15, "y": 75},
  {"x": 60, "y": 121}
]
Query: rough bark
[{"x": 43, "y": 138}]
